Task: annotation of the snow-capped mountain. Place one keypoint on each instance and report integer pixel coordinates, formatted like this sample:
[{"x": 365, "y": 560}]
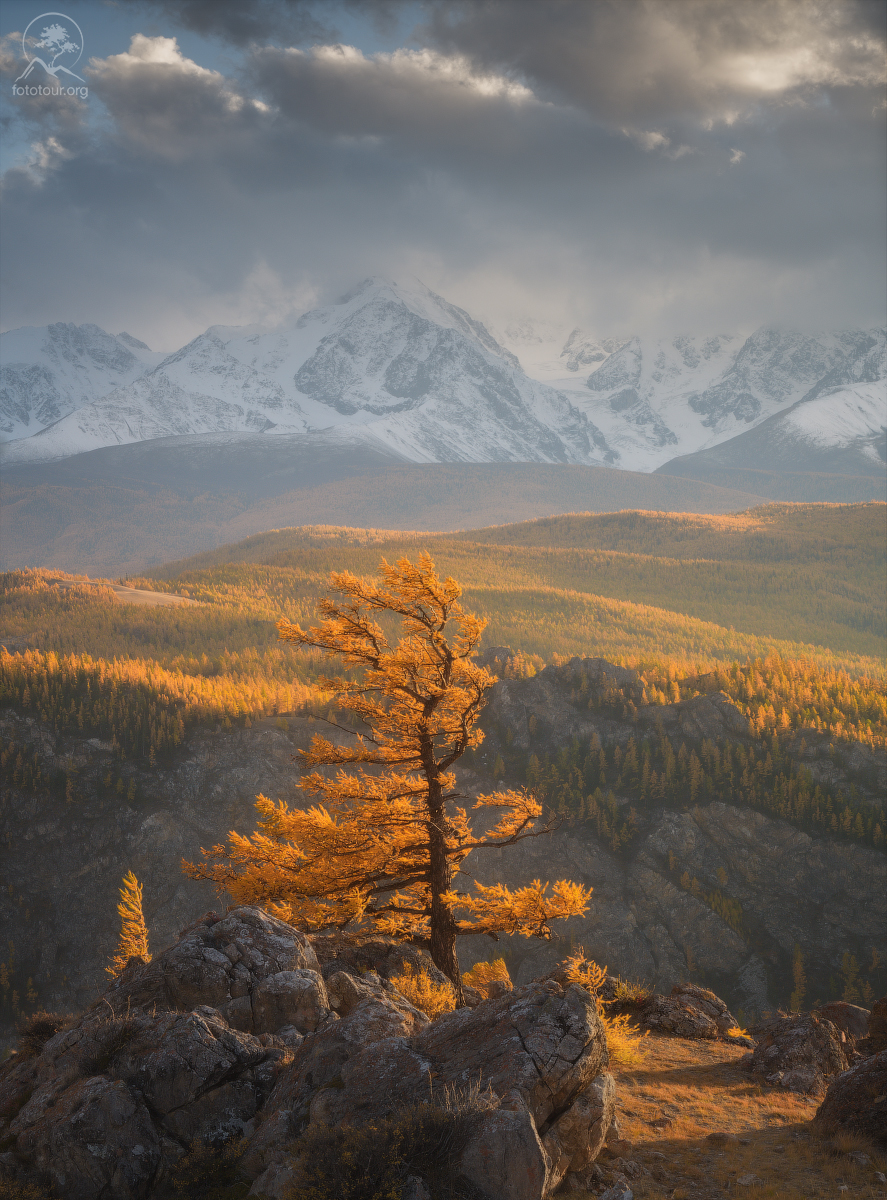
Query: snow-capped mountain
[
  {"x": 840, "y": 432},
  {"x": 399, "y": 370},
  {"x": 397, "y": 365},
  {"x": 655, "y": 400},
  {"x": 48, "y": 372}
]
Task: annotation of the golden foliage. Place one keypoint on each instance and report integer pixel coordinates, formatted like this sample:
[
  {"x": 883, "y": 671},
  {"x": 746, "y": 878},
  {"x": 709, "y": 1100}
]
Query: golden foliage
[
  {"x": 387, "y": 837},
  {"x": 625, "y": 1042},
  {"x": 423, "y": 993},
  {"x": 133, "y": 930},
  {"x": 584, "y": 971},
  {"x": 484, "y": 973}
]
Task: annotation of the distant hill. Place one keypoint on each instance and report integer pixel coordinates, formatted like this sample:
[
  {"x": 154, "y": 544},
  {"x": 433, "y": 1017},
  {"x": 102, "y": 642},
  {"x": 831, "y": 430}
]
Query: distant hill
[
  {"x": 627, "y": 583},
  {"x": 128, "y": 508}
]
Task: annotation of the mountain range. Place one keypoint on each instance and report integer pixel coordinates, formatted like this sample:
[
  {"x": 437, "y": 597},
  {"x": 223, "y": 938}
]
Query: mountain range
[{"x": 399, "y": 371}]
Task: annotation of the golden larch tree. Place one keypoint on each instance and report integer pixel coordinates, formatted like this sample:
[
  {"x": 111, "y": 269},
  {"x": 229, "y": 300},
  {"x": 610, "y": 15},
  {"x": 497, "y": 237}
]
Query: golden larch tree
[
  {"x": 388, "y": 835},
  {"x": 133, "y": 930}
]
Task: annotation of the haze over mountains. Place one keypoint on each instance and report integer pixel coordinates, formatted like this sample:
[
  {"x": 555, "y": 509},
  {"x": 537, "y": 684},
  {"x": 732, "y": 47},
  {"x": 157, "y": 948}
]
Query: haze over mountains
[
  {"x": 394, "y": 409},
  {"x": 398, "y": 370}
]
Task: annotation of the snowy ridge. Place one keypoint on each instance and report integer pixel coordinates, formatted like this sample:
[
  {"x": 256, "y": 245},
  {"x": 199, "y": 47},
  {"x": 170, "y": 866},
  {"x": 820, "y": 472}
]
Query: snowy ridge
[
  {"x": 48, "y": 372},
  {"x": 401, "y": 369}
]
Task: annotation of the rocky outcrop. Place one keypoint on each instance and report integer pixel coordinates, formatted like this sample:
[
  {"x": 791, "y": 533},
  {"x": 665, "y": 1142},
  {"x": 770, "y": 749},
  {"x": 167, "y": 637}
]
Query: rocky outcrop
[
  {"x": 239, "y": 1032},
  {"x": 536, "y": 1055},
  {"x": 856, "y": 1101},
  {"x": 799, "y": 1053}
]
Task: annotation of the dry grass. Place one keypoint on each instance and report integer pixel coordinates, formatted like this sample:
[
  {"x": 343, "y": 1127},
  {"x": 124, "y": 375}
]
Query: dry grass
[{"x": 686, "y": 1091}]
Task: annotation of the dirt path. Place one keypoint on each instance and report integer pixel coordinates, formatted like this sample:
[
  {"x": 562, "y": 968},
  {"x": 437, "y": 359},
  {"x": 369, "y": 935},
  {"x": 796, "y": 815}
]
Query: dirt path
[
  {"x": 127, "y": 595},
  {"x": 151, "y": 599},
  {"x": 702, "y": 1129}
]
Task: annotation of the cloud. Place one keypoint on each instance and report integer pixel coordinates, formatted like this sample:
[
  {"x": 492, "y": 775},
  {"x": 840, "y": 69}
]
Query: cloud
[
  {"x": 488, "y": 168},
  {"x": 705, "y": 60},
  {"x": 167, "y": 104}
]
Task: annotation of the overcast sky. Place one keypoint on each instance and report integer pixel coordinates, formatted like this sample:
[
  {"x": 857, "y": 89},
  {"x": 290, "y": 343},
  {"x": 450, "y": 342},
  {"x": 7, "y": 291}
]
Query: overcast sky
[{"x": 658, "y": 166}]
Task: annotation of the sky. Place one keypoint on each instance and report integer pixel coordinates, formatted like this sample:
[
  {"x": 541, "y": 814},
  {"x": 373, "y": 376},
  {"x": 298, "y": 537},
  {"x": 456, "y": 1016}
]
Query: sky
[{"x": 649, "y": 166}]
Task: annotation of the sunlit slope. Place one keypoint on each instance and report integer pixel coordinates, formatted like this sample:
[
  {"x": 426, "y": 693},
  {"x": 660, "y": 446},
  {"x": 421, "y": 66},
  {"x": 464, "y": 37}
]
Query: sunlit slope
[{"x": 810, "y": 574}]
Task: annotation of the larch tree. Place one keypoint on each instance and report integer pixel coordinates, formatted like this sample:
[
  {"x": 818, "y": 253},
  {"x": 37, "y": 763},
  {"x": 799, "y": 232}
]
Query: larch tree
[
  {"x": 133, "y": 930},
  {"x": 385, "y": 842}
]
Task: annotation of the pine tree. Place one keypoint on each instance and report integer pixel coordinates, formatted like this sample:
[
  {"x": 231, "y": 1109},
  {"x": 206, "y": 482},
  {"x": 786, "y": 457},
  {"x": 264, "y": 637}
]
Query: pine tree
[
  {"x": 385, "y": 844},
  {"x": 133, "y": 930}
]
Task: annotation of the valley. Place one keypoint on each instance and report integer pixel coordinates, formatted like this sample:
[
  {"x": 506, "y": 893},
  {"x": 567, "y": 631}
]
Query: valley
[{"x": 689, "y": 759}]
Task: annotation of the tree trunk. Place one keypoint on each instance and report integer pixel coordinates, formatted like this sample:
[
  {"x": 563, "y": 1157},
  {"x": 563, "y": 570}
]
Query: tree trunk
[{"x": 443, "y": 924}]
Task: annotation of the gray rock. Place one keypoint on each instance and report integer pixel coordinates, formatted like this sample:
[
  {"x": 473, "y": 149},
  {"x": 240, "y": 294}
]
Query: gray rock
[
  {"x": 575, "y": 1139},
  {"x": 799, "y": 1053},
  {"x": 506, "y": 1158},
  {"x": 689, "y": 1012},
  {"x": 856, "y": 1100},
  {"x": 97, "y": 1140},
  {"x": 296, "y": 998}
]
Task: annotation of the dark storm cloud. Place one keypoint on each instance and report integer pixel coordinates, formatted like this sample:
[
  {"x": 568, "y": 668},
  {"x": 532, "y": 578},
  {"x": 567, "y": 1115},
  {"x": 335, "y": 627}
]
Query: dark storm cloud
[
  {"x": 666, "y": 59},
  {"x": 474, "y": 163}
]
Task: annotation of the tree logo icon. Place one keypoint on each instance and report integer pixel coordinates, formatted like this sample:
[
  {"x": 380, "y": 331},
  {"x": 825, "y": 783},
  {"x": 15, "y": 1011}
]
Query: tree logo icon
[{"x": 53, "y": 45}]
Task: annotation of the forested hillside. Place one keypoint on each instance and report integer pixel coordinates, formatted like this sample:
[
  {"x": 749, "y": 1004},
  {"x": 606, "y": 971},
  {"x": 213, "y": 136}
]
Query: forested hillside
[{"x": 780, "y": 610}]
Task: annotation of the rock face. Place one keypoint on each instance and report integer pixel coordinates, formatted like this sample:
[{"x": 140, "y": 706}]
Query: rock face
[
  {"x": 856, "y": 1101},
  {"x": 800, "y": 1053},
  {"x": 238, "y": 1031}
]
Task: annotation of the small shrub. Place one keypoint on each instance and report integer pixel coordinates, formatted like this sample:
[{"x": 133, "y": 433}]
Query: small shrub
[
  {"x": 484, "y": 973},
  {"x": 585, "y": 972},
  {"x": 624, "y": 1040},
  {"x": 629, "y": 991},
  {"x": 36, "y": 1030},
  {"x": 374, "y": 1161},
  {"x": 210, "y": 1172},
  {"x": 419, "y": 988},
  {"x": 737, "y": 1031}
]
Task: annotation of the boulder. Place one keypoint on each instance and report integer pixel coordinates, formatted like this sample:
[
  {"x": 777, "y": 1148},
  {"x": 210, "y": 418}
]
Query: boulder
[
  {"x": 799, "y": 1053},
  {"x": 689, "y": 1012},
  {"x": 506, "y": 1158},
  {"x": 576, "y": 1138},
  {"x": 296, "y": 998},
  {"x": 876, "y": 1041},
  {"x": 856, "y": 1100},
  {"x": 111, "y": 1102},
  {"x": 98, "y": 1139},
  {"x": 850, "y": 1019}
]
